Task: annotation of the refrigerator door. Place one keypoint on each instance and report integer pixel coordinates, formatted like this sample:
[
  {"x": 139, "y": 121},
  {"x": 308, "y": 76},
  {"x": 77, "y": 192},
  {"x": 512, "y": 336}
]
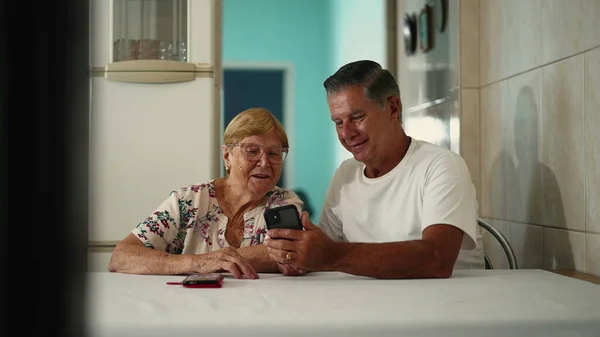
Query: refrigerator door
[
  {"x": 146, "y": 141},
  {"x": 155, "y": 120}
]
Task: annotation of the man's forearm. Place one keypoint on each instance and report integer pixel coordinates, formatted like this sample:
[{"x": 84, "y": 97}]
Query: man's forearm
[
  {"x": 391, "y": 260},
  {"x": 258, "y": 256}
]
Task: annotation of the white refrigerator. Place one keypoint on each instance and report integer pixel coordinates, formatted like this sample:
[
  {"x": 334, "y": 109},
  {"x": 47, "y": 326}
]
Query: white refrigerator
[{"x": 155, "y": 111}]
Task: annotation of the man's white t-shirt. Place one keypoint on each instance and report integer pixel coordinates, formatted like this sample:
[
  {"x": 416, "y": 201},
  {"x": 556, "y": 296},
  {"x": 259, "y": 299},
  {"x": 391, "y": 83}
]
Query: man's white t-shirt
[{"x": 431, "y": 185}]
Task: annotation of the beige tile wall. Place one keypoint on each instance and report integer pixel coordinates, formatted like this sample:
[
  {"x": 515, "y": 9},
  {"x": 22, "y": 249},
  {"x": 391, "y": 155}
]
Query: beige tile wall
[
  {"x": 539, "y": 131},
  {"x": 529, "y": 79}
]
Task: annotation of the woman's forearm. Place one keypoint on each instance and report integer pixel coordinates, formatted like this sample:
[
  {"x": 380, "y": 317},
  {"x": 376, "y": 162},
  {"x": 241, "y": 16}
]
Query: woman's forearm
[
  {"x": 131, "y": 256},
  {"x": 137, "y": 259}
]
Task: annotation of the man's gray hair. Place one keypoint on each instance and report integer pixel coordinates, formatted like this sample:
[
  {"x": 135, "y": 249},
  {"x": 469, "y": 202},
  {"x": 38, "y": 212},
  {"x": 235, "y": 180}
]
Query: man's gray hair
[{"x": 378, "y": 83}]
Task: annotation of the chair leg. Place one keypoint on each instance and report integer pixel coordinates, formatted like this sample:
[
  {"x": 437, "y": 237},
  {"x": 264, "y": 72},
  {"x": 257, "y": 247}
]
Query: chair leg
[
  {"x": 510, "y": 254},
  {"x": 488, "y": 262}
]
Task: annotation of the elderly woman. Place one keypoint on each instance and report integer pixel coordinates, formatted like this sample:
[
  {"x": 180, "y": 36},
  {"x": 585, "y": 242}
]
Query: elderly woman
[{"x": 217, "y": 225}]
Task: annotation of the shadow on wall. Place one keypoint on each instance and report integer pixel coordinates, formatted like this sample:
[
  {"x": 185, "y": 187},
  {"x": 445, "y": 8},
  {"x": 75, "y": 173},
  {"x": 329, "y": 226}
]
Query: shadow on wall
[{"x": 531, "y": 194}]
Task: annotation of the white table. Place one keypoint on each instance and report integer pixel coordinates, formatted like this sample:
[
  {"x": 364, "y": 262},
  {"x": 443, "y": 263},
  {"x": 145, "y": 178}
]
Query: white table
[{"x": 471, "y": 303}]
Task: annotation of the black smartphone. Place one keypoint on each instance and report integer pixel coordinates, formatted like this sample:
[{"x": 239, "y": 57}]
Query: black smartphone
[
  {"x": 209, "y": 280},
  {"x": 286, "y": 216}
]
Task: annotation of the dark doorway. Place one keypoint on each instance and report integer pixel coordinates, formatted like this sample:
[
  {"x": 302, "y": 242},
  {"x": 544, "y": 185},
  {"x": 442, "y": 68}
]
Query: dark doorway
[{"x": 245, "y": 88}]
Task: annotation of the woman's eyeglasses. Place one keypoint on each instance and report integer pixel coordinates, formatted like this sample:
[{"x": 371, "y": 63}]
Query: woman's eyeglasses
[{"x": 253, "y": 152}]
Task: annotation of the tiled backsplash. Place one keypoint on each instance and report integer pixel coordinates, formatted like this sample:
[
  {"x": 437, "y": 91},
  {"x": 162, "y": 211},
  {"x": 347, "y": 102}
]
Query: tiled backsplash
[
  {"x": 529, "y": 79},
  {"x": 539, "y": 113}
]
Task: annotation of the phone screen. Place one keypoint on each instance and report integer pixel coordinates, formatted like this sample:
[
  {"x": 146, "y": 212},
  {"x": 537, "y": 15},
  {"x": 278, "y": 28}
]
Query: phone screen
[{"x": 210, "y": 278}]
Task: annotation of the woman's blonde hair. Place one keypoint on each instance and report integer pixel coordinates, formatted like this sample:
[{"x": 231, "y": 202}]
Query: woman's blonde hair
[{"x": 254, "y": 122}]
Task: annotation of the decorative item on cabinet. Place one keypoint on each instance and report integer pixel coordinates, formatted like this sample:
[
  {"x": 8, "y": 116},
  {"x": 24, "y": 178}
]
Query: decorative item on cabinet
[
  {"x": 409, "y": 31},
  {"x": 426, "y": 33}
]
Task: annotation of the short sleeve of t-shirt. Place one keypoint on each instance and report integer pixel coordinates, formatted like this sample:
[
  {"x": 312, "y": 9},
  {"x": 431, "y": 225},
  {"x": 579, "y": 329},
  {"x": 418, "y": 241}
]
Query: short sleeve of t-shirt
[
  {"x": 448, "y": 197},
  {"x": 329, "y": 221}
]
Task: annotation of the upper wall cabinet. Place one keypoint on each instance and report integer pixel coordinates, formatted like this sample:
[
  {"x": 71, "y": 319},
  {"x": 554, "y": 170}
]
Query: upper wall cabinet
[
  {"x": 149, "y": 30},
  {"x": 160, "y": 30}
]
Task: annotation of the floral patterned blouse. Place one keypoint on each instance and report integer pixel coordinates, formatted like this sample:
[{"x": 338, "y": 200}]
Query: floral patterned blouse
[{"x": 190, "y": 221}]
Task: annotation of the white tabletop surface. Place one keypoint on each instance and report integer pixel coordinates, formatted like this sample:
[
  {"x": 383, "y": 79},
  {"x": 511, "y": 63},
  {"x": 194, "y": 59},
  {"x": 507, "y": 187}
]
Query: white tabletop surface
[{"x": 470, "y": 303}]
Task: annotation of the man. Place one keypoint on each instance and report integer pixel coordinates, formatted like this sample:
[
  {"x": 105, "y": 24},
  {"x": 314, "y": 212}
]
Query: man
[{"x": 401, "y": 208}]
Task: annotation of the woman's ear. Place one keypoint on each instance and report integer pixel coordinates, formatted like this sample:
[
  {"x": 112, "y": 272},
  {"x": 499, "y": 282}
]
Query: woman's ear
[{"x": 226, "y": 154}]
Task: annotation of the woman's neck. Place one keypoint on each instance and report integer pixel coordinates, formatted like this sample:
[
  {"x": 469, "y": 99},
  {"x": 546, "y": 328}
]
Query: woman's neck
[{"x": 235, "y": 198}]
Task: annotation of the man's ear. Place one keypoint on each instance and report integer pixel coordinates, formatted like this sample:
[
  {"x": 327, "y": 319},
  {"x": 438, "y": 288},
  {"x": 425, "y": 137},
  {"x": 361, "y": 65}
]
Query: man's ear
[{"x": 395, "y": 107}]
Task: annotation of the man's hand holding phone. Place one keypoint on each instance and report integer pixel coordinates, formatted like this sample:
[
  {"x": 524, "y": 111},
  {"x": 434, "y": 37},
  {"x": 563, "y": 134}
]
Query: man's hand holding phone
[
  {"x": 285, "y": 217},
  {"x": 303, "y": 250}
]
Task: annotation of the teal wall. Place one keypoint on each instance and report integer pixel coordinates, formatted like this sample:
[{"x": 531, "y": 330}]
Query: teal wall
[
  {"x": 296, "y": 32},
  {"x": 353, "y": 41}
]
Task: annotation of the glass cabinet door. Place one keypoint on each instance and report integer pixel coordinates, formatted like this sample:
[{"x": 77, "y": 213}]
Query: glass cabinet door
[{"x": 150, "y": 30}]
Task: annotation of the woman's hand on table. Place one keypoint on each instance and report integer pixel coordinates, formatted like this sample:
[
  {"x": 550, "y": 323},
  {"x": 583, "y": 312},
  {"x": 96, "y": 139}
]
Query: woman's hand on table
[{"x": 226, "y": 259}]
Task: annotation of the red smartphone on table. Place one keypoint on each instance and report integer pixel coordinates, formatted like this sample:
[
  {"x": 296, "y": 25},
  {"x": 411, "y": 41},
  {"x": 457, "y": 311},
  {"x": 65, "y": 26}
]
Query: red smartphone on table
[{"x": 209, "y": 280}]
